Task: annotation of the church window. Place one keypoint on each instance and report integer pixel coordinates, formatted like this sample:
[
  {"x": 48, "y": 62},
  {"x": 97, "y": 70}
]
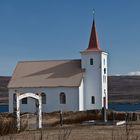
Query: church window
[
  {"x": 104, "y": 78},
  {"x": 92, "y": 99},
  {"x": 14, "y": 102},
  {"x": 14, "y": 97},
  {"x": 43, "y": 98},
  {"x": 104, "y": 70},
  {"x": 105, "y": 92},
  {"x": 104, "y": 61},
  {"x": 91, "y": 61},
  {"x": 62, "y": 98},
  {"x": 24, "y": 101}
]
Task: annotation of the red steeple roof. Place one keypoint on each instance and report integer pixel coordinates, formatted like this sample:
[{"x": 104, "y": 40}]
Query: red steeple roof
[{"x": 93, "y": 42}]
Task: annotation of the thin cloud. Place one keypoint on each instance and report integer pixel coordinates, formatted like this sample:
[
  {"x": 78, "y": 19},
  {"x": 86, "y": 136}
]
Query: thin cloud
[{"x": 134, "y": 73}]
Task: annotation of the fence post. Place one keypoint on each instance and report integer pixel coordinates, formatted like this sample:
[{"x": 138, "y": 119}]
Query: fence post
[
  {"x": 61, "y": 118},
  {"x": 40, "y": 111},
  {"x": 18, "y": 112},
  {"x": 104, "y": 110}
]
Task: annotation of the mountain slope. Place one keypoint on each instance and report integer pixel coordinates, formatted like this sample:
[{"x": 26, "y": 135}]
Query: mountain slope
[
  {"x": 4, "y": 80},
  {"x": 122, "y": 89}
]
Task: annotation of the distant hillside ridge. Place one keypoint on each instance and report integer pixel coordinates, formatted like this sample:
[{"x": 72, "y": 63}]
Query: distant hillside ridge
[
  {"x": 121, "y": 89},
  {"x": 124, "y": 89},
  {"x": 4, "y": 80}
]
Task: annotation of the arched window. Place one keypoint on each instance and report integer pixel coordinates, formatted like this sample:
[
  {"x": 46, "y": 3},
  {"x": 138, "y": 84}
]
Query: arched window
[
  {"x": 43, "y": 98},
  {"x": 62, "y": 98},
  {"x": 91, "y": 61},
  {"x": 104, "y": 70},
  {"x": 92, "y": 99}
]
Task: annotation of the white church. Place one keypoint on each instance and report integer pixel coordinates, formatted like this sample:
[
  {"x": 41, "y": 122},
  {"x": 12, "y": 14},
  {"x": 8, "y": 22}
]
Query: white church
[{"x": 68, "y": 85}]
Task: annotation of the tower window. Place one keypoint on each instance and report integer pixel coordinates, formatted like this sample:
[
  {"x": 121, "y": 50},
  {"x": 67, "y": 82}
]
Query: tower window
[
  {"x": 104, "y": 78},
  {"x": 105, "y": 92},
  {"x": 62, "y": 98},
  {"x": 104, "y": 61},
  {"x": 104, "y": 70},
  {"x": 43, "y": 98},
  {"x": 92, "y": 99},
  {"x": 91, "y": 61},
  {"x": 24, "y": 101}
]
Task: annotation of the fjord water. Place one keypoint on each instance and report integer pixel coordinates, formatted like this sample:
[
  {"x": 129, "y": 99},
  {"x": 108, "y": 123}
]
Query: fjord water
[
  {"x": 112, "y": 106},
  {"x": 124, "y": 107},
  {"x": 4, "y": 108}
]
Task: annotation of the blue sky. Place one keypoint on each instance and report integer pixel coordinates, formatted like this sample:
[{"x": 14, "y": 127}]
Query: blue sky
[{"x": 60, "y": 29}]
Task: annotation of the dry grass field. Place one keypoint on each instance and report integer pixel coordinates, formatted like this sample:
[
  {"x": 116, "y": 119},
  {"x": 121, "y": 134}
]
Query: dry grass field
[
  {"x": 72, "y": 129},
  {"x": 79, "y": 132}
]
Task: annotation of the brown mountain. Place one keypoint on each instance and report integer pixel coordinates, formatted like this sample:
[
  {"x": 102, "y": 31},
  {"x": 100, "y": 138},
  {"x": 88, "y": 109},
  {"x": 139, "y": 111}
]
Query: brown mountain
[
  {"x": 4, "y": 80},
  {"x": 122, "y": 89}
]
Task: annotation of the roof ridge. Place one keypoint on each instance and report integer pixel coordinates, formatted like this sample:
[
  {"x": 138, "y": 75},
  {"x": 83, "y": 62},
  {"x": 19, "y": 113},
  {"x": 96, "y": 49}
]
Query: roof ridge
[{"x": 48, "y": 60}]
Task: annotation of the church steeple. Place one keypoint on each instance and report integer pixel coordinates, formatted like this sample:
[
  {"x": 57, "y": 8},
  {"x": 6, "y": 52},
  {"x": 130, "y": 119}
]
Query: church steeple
[
  {"x": 93, "y": 42},
  {"x": 94, "y": 63}
]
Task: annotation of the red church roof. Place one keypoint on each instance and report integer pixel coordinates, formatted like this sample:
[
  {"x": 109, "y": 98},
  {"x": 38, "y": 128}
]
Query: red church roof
[{"x": 93, "y": 42}]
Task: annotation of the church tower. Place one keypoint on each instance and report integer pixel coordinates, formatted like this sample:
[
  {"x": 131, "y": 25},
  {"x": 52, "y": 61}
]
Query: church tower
[{"x": 94, "y": 63}]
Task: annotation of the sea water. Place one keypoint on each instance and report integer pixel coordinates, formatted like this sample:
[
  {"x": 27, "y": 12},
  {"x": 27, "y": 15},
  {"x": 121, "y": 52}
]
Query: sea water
[
  {"x": 112, "y": 106},
  {"x": 124, "y": 107},
  {"x": 4, "y": 108}
]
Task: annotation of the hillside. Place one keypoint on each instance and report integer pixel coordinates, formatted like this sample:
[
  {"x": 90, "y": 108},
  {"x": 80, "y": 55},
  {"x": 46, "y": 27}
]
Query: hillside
[
  {"x": 122, "y": 89},
  {"x": 4, "y": 80}
]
